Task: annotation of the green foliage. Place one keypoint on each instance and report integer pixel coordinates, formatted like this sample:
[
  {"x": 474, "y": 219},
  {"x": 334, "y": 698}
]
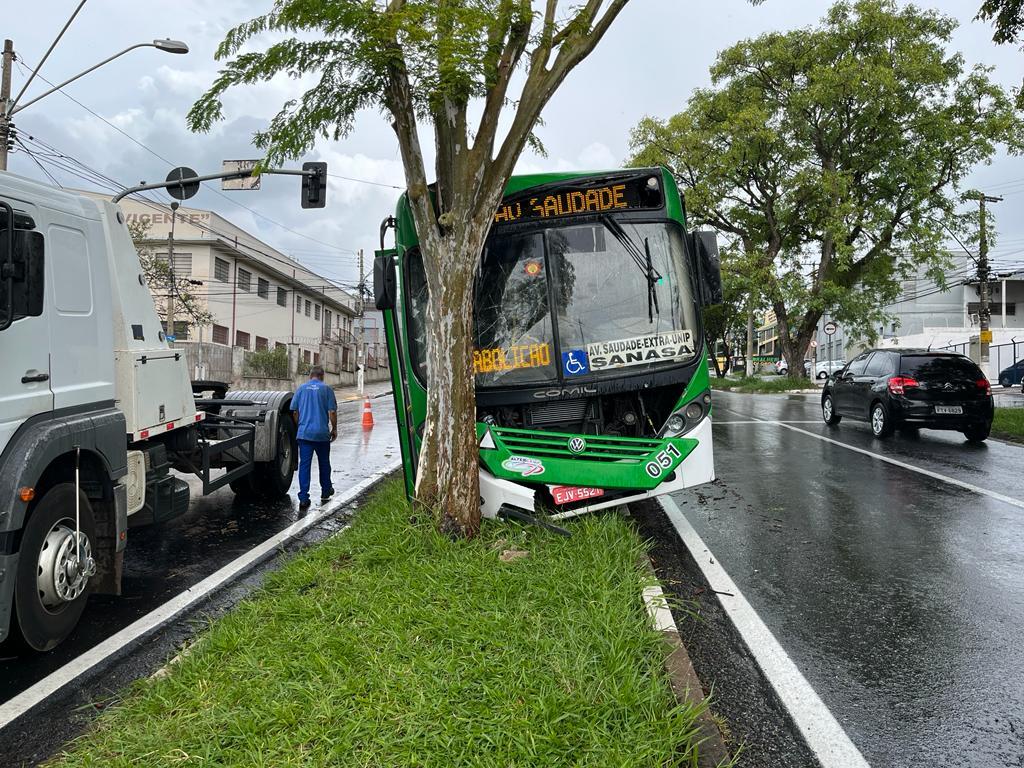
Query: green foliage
[
  {"x": 756, "y": 384},
  {"x": 1006, "y": 15},
  {"x": 268, "y": 363},
  {"x": 391, "y": 645},
  {"x": 1008, "y": 424},
  {"x": 834, "y": 155}
]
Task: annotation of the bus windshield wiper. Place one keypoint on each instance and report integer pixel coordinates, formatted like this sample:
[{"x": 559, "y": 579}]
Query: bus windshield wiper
[{"x": 643, "y": 262}]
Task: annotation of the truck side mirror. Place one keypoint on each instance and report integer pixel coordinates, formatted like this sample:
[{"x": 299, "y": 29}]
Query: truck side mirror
[
  {"x": 384, "y": 290},
  {"x": 709, "y": 267}
]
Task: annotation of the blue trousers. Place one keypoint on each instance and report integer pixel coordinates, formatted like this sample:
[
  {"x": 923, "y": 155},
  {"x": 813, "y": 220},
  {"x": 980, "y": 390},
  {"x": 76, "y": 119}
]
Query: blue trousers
[{"x": 323, "y": 463}]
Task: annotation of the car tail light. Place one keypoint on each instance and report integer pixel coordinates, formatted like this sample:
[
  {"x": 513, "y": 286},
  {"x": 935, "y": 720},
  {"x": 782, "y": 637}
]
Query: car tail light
[
  {"x": 984, "y": 386},
  {"x": 899, "y": 384}
]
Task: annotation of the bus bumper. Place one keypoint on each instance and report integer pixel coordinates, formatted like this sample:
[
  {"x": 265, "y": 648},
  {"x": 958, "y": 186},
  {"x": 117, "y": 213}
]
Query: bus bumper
[{"x": 698, "y": 468}]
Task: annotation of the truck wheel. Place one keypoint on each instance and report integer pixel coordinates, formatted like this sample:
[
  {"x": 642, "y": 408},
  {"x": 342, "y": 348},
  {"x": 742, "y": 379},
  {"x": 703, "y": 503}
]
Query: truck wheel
[
  {"x": 274, "y": 477},
  {"x": 51, "y": 585}
]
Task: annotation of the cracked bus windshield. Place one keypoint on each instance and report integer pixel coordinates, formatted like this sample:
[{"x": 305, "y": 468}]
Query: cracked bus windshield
[{"x": 621, "y": 297}]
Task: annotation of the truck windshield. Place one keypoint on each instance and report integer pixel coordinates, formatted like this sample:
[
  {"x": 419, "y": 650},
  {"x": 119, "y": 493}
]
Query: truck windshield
[{"x": 614, "y": 312}]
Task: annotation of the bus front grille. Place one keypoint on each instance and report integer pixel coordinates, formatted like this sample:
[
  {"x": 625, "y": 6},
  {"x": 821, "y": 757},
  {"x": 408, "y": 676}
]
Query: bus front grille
[{"x": 556, "y": 411}]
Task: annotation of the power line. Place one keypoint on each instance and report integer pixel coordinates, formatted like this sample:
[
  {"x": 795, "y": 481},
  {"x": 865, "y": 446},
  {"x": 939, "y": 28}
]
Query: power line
[{"x": 209, "y": 188}]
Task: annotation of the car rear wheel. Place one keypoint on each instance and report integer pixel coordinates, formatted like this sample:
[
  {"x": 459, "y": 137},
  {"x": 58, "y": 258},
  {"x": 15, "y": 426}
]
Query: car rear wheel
[
  {"x": 823, "y": 375},
  {"x": 977, "y": 433},
  {"x": 828, "y": 411},
  {"x": 881, "y": 424},
  {"x": 1005, "y": 382}
]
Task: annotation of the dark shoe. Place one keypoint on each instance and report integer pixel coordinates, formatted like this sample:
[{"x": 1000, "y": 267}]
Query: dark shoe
[
  {"x": 326, "y": 497},
  {"x": 304, "y": 504}
]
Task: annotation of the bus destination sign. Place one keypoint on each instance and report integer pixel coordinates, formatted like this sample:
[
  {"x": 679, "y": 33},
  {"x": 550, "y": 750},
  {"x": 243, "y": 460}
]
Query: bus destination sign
[
  {"x": 630, "y": 194},
  {"x": 511, "y": 358}
]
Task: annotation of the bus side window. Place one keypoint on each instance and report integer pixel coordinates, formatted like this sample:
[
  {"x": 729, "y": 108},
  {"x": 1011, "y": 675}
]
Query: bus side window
[{"x": 417, "y": 312}]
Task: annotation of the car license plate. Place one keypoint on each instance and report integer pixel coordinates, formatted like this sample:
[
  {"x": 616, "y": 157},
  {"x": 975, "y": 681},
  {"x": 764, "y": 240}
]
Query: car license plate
[
  {"x": 950, "y": 410},
  {"x": 565, "y": 494}
]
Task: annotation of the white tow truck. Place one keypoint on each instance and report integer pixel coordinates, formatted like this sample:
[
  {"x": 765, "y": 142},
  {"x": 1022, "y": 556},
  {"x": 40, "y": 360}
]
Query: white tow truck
[{"x": 97, "y": 409}]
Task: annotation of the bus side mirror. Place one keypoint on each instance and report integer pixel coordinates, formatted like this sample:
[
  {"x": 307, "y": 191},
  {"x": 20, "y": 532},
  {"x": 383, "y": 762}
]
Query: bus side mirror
[
  {"x": 709, "y": 267},
  {"x": 384, "y": 290}
]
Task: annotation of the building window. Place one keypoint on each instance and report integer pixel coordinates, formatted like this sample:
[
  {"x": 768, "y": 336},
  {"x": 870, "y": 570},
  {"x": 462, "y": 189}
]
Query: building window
[
  {"x": 994, "y": 307},
  {"x": 305, "y": 356},
  {"x": 182, "y": 263},
  {"x": 316, "y": 358},
  {"x": 278, "y": 345},
  {"x": 242, "y": 339},
  {"x": 316, "y": 312},
  {"x": 262, "y": 344},
  {"x": 220, "y": 334},
  {"x": 298, "y": 304},
  {"x": 309, "y": 306},
  {"x": 180, "y": 330},
  {"x": 327, "y": 323},
  {"x": 282, "y": 297},
  {"x": 221, "y": 270},
  {"x": 262, "y": 288},
  {"x": 244, "y": 280}
]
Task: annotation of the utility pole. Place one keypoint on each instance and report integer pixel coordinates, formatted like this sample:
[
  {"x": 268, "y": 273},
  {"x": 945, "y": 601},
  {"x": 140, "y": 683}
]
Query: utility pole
[
  {"x": 172, "y": 288},
  {"x": 360, "y": 328},
  {"x": 750, "y": 337},
  {"x": 984, "y": 312},
  {"x": 5, "y": 102}
]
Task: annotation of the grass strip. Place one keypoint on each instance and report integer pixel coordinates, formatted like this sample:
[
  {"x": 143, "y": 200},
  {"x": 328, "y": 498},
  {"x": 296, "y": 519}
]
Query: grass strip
[
  {"x": 1008, "y": 424},
  {"x": 756, "y": 385},
  {"x": 392, "y": 646}
]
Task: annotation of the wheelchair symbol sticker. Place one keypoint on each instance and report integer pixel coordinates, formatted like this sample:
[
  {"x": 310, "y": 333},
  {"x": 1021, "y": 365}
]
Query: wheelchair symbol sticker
[{"x": 575, "y": 362}]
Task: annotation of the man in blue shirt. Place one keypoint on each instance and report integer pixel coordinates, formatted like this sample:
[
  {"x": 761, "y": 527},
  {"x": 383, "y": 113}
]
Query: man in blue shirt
[{"x": 315, "y": 410}]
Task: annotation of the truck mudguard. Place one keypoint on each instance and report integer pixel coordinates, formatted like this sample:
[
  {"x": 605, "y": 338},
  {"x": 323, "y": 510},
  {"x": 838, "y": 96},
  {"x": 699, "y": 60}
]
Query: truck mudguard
[{"x": 98, "y": 428}]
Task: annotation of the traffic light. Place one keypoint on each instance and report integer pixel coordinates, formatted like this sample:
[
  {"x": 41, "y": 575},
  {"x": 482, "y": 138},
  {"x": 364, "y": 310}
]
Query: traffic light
[{"x": 314, "y": 185}]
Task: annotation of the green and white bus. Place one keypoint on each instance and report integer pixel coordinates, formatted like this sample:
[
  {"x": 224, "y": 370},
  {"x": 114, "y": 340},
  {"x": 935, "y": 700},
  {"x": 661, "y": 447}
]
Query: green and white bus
[{"x": 591, "y": 373}]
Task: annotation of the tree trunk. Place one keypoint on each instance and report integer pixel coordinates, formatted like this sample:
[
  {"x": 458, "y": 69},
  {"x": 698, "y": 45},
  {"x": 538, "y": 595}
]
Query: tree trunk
[
  {"x": 449, "y": 441},
  {"x": 714, "y": 357}
]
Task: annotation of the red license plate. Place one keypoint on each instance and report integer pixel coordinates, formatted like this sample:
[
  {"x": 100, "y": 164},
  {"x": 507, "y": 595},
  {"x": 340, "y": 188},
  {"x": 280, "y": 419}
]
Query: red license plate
[{"x": 566, "y": 494}]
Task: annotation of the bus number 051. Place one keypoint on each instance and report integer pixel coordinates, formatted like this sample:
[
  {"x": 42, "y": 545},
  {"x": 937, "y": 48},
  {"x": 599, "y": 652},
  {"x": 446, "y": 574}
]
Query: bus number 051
[{"x": 664, "y": 461}]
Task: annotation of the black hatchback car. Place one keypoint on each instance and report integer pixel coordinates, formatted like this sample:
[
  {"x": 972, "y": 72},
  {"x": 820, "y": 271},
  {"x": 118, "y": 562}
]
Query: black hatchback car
[{"x": 911, "y": 388}]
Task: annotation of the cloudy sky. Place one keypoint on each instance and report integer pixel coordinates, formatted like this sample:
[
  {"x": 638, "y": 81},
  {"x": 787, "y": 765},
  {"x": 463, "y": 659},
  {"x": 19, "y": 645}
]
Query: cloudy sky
[{"x": 658, "y": 51}]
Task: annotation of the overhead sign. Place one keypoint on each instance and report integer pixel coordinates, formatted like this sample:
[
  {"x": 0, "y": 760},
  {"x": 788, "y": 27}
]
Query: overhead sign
[
  {"x": 831, "y": 327},
  {"x": 511, "y": 358},
  {"x": 246, "y": 182}
]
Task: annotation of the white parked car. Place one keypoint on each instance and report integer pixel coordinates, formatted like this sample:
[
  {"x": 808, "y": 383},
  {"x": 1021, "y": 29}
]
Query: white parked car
[{"x": 822, "y": 369}]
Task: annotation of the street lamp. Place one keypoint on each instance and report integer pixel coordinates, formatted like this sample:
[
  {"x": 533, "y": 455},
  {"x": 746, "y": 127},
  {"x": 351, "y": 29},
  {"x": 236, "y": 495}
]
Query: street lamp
[
  {"x": 168, "y": 46},
  {"x": 10, "y": 107}
]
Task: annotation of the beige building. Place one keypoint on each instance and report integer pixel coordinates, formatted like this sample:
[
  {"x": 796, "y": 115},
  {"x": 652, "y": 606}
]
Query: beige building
[{"x": 259, "y": 297}]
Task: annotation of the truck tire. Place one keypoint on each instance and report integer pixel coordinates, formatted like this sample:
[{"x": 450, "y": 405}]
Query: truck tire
[
  {"x": 49, "y": 595},
  {"x": 274, "y": 478}
]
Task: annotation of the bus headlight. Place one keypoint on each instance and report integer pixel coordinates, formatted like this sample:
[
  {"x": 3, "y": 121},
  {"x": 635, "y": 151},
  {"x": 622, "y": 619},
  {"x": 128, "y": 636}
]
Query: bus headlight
[
  {"x": 675, "y": 423},
  {"x": 688, "y": 417},
  {"x": 694, "y": 411}
]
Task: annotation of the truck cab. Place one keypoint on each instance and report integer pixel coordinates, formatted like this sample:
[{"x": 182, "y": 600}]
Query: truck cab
[{"x": 96, "y": 408}]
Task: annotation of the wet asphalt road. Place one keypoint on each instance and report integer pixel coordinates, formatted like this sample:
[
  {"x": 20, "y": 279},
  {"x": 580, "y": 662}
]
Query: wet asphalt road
[
  {"x": 164, "y": 560},
  {"x": 898, "y": 595}
]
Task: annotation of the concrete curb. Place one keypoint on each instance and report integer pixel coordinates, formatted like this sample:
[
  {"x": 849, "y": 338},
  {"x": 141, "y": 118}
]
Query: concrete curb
[{"x": 686, "y": 686}]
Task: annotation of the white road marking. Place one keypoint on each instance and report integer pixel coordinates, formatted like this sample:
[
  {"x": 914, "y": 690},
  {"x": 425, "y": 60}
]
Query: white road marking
[
  {"x": 897, "y": 463},
  {"x": 658, "y": 610},
  {"x": 760, "y": 421},
  {"x": 820, "y": 729},
  {"x": 13, "y": 708}
]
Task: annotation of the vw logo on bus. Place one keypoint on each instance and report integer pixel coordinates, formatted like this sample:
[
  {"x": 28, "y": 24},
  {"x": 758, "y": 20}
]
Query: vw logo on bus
[{"x": 577, "y": 445}]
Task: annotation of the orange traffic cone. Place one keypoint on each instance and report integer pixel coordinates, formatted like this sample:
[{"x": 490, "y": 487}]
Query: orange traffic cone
[{"x": 367, "y": 415}]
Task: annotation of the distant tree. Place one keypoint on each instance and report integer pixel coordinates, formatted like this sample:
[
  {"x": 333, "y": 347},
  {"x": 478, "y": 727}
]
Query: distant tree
[
  {"x": 450, "y": 65},
  {"x": 835, "y": 155},
  {"x": 1007, "y": 16},
  {"x": 156, "y": 270}
]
